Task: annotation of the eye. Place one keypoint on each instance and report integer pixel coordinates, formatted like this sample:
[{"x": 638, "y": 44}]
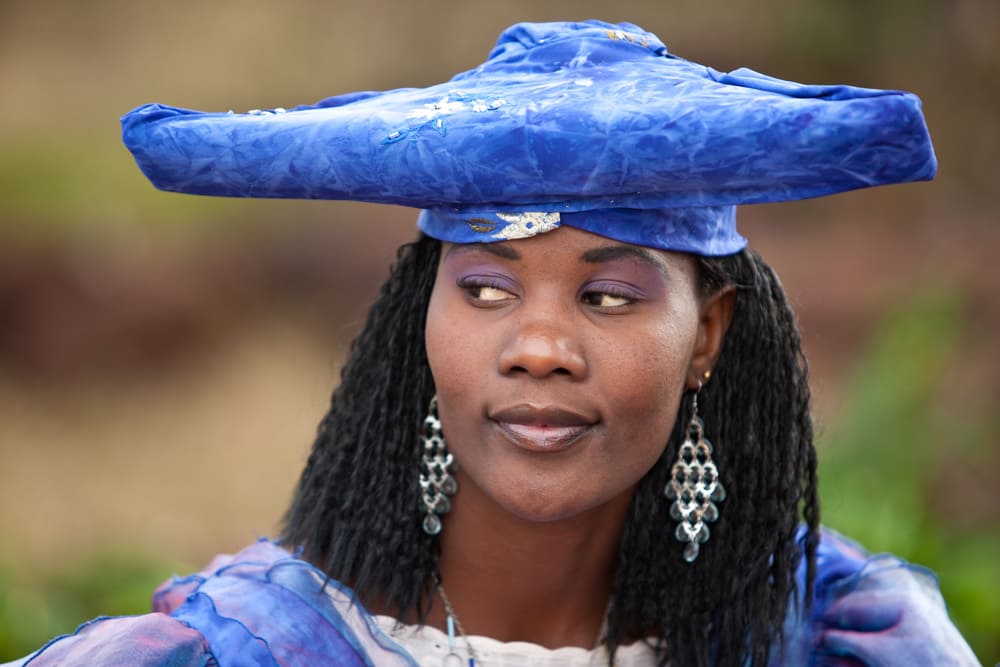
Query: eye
[
  {"x": 485, "y": 291},
  {"x": 489, "y": 293},
  {"x": 608, "y": 298},
  {"x": 605, "y": 300}
]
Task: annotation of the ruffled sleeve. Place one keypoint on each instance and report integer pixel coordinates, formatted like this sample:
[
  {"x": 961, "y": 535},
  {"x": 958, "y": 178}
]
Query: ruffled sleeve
[
  {"x": 268, "y": 608},
  {"x": 263, "y": 607},
  {"x": 872, "y": 611},
  {"x": 153, "y": 640}
]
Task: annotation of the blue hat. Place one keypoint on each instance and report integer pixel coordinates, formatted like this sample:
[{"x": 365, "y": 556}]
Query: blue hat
[{"x": 587, "y": 124}]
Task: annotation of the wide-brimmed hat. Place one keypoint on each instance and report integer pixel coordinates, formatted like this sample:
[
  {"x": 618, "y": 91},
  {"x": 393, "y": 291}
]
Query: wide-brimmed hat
[{"x": 589, "y": 124}]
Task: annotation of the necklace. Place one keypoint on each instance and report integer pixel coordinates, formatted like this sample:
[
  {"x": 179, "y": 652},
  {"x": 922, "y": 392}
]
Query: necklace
[{"x": 453, "y": 659}]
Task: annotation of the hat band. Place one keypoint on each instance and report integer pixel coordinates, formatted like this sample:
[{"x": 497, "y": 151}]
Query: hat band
[{"x": 702, "y": 230}]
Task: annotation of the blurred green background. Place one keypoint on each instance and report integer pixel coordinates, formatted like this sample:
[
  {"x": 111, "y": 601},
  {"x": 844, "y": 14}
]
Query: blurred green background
[{"x": 164, "y": 359}]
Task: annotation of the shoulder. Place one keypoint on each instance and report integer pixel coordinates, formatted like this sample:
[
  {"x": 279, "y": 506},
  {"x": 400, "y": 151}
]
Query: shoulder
[
  {"x": 263, "y": 606},
  {"x": 871, "y": 610}
]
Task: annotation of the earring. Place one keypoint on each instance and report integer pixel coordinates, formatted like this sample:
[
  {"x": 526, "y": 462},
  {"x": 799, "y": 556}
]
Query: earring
[
  {"x": 436, "y": 465},
  {"x": 694, "y": 487}
]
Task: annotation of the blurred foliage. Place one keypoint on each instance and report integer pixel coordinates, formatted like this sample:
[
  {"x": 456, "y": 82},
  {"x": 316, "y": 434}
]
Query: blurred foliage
[
  {"x": 897, "y": 469},
  {"x": 38, "y": 605},
  {"x": 50, "y": 190}
]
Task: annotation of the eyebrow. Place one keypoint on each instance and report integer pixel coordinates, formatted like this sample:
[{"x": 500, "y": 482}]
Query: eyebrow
[
  {"x": 615, "y": 252},
  {"x": 497, "y": 249},
  {"x": 600, "y": 255}
]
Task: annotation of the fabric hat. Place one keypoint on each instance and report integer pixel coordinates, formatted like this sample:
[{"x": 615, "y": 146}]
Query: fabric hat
[{"x": 588, "y": 124}]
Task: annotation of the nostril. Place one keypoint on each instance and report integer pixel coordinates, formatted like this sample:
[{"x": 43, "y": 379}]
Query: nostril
[{"x": 552, "y": 371}]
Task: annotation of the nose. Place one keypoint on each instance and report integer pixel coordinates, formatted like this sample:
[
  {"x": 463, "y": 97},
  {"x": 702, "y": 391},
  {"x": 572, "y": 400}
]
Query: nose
[{"x": 542, "y": 347}]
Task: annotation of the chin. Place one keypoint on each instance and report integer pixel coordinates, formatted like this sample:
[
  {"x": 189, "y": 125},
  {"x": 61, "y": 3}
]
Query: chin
[
  {"x": 551, "y": 502},
  {"x": 539, "y": 490},
  {"x": 542, "y": 511}
]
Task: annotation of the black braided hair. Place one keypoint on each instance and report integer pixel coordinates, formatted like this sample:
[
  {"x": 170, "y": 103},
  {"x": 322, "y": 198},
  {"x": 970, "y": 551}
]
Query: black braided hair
[{"x": 356, "y": 512}]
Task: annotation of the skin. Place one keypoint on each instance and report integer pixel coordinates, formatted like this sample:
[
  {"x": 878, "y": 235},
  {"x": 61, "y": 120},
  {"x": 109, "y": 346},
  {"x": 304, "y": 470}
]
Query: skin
[{"x": 559, "y": 363}]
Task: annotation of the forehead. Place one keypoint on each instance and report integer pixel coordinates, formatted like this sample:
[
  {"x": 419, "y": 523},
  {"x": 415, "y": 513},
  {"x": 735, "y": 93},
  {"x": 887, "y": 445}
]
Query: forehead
[{"x": 575, "y": 247}]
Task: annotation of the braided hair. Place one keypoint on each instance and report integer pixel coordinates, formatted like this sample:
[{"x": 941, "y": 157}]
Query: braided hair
[{"x": 356, "y": 510}]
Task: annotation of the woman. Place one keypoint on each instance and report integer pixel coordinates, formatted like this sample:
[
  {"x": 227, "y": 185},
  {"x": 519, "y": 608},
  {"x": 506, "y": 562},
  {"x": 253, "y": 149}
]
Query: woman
[{"x": 518, "y": 465}]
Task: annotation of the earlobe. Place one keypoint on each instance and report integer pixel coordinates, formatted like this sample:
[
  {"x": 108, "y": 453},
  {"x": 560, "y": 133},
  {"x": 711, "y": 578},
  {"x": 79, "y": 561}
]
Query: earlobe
[{"x": 715, "y": 315}]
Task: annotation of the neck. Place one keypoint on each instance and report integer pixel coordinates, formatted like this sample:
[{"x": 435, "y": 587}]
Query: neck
[{"x": 512, "y": 579}]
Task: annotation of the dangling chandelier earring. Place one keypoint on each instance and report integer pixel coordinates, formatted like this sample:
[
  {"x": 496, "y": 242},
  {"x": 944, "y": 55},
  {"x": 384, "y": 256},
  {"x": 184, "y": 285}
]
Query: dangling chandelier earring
[
  {"x": 694, "y": 486},
  {"x": 436, "y": 466}
]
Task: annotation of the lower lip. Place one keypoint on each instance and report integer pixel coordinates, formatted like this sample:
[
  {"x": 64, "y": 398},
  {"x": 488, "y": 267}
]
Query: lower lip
[{"x": 542, "y": 438}]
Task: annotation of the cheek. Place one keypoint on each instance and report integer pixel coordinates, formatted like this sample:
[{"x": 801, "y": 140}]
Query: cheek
[
  {"x": 648, "y": 376},
  {"x": 438, "y": 330},
  {"x": 433, "y": 328},
  {"x": 454, "y": 349},
  {"x": 456, "y": 355}
]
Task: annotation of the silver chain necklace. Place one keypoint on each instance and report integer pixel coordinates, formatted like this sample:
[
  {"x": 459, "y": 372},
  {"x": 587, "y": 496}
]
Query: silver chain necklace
[{"x": 453, "y": 659}]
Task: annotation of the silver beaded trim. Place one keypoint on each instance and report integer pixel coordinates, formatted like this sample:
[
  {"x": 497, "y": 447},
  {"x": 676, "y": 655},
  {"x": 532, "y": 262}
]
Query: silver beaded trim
[{"x": 436, "y": 466}]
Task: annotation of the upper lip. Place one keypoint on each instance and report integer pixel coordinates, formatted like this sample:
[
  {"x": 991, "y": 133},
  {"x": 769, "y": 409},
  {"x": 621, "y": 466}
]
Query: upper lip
[{"x": 534, "y": 415}]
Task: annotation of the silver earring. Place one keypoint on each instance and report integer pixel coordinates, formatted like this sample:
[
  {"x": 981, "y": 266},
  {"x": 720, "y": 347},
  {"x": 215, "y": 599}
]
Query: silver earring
[
  {"x": 694, "y": 487},
  {"x": 436, "y": 466}
]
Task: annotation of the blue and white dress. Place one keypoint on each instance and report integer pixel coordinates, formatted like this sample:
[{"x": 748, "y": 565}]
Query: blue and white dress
[{"x": 266, "y": 607}]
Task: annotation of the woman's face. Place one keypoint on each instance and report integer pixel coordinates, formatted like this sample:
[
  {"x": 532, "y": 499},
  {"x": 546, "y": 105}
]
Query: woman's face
[{"x": 560, "y": 361}]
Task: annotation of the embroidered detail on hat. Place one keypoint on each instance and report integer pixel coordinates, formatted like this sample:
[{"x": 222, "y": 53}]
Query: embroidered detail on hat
[
  {"x": 621, "y": 35},
  {"x": 480, "y": 105},
  {"x": 528, "y": 224},
  {"x": 435, "y": 110},
  {"x": 453, "y": 103},
  {"x": 481, "y": 225},
  {"x": 394, "y": 136},
  {"x": 433, "y": 115}
]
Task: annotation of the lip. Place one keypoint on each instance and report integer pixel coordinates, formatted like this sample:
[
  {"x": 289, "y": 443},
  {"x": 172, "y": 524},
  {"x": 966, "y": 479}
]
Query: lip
[{"x": 542, "y": 428}]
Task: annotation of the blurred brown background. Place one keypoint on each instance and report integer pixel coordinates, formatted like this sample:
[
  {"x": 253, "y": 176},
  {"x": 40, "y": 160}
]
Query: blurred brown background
[{"x": 164, "y": 359}]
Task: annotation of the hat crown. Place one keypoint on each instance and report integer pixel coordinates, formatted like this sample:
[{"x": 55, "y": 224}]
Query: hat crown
[{"x": 565, "y": 44}]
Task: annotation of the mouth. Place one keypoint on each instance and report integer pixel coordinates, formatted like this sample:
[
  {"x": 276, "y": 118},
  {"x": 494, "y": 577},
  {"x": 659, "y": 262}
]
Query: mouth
[{"x": 542, "y": 429}]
